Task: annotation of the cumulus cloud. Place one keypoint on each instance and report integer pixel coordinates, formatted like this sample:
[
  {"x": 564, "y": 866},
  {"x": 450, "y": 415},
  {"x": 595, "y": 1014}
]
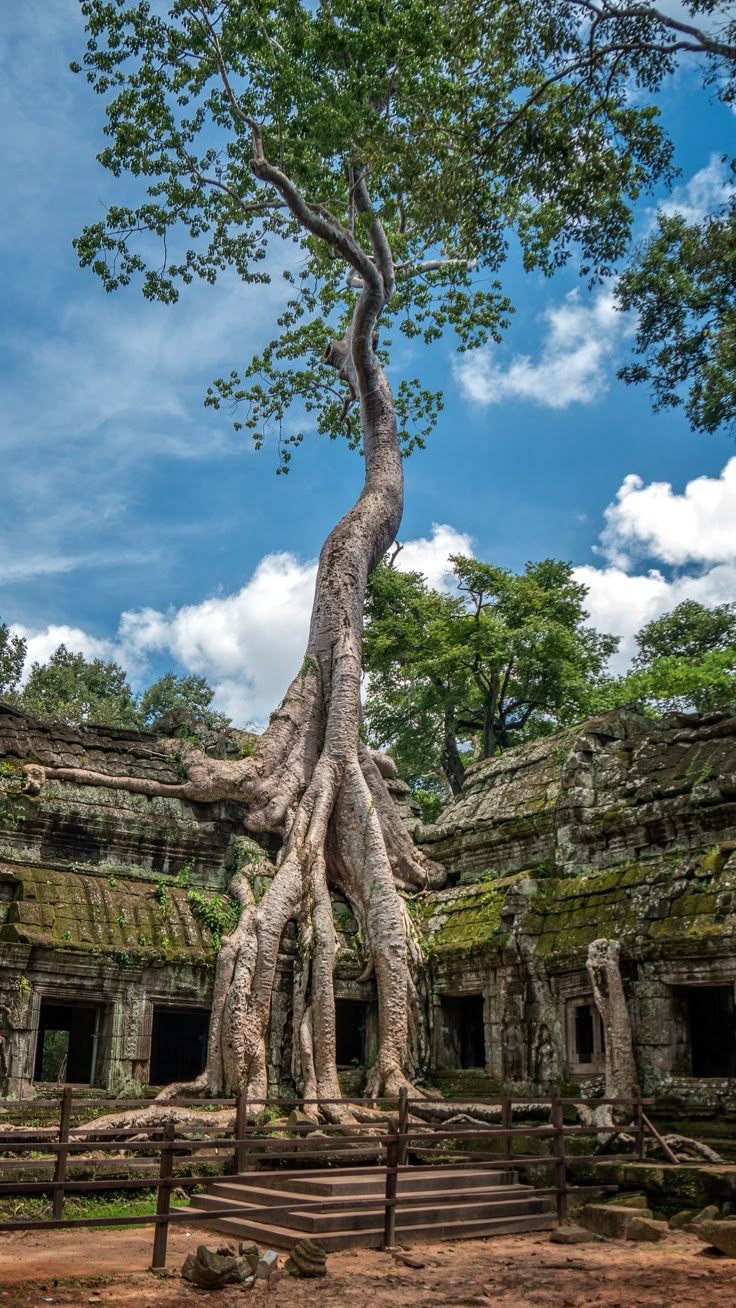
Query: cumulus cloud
[
  {"x": 431, "y": 556},
  {"x": 571, "y": 367},
  {"x": 687, "y": 538},
  {"x": 621, "y": 602},
  {"x": 697, "y": 526},
  {"x": 248, "y": 645}
]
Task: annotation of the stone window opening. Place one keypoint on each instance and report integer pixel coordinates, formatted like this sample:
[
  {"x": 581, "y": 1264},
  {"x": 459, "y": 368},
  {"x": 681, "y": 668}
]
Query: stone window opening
[
  {"x": 706, "y": 1018},
  {"x": 68, "y": 1043},
  {"x": 178, "y": 1043},
  {"x": 463, "y": 1036},
  {"x": 586, "y": 1040},
  {"x": 351, "y": 1032}
]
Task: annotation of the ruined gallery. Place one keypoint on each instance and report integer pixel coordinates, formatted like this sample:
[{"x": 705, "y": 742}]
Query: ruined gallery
[{"x": 621, "y": 832}]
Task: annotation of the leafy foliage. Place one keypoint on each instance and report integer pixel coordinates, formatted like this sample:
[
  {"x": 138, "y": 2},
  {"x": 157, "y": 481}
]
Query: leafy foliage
[
  {"x": 686, "y": 660},
  {"x": 681, "y": 287},
  {"x": 189, "y": 696},
  {"x": 470, "y": 121},
  {"x": 12, "y": 659},
  {"x": 463, "y": 676},
  {"x": 70, "y": 688}
]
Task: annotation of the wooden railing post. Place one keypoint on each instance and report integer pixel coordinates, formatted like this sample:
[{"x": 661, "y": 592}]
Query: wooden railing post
[
  {"x": 403, "y": 1125},
  {"x": 558, "y": 1140},
  {"x": 392, "y": 1175},
  {"x": 639, "y": 1128},
  {"x": 241, "y": 1126},
  {"x": 65, "y": 1118},
  {"x": 506, "y": 1121},
  {"x": 163, "y": 1198}
]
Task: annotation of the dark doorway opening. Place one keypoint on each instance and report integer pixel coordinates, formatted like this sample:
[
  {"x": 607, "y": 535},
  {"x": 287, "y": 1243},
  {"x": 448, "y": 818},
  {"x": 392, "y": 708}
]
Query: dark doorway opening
[
  {"x": 711, "y": 1020},
  {"x": 178, "y": 1044},
  {"x": 463, "y": 1031},
  {"x": 351, "y": 1021},
  {"x": 68, "y": 1043}
]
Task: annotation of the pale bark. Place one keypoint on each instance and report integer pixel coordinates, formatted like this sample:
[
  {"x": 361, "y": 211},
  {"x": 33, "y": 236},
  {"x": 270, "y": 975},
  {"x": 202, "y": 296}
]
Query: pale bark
[
  {"x": 309, "y": 781},
  {"x": 610, "y": 1000}
]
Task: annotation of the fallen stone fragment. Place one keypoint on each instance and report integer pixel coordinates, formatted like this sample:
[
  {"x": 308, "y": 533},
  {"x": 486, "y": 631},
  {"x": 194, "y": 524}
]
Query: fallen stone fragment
[
  {"x": 266, "y": 1265},
  {"x": 307, "y": 1258},
  {"x": 682, "y": 1219},
  {"x": 409, "y": 1260},
  {"x": 609, "y": 1219},
  {"x": 721, "y": 1234},
  {"x": 211, "y": 1269},
  {"x": 571, "y": 1235},
  {"x": 249, "y": 1249},
  {"x": 709, "y": 1214},
  {"x": 644, "y": 1229}
]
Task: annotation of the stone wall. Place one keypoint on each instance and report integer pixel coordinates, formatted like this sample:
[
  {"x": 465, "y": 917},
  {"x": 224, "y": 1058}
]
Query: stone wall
[{"x": 623, "y": 829}]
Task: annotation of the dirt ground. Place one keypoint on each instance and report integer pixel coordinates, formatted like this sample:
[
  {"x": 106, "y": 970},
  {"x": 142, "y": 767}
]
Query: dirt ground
[{"x": 505, "y": 1272}]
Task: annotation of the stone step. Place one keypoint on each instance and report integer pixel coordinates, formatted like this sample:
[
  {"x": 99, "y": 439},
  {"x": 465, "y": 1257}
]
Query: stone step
[
  {"x": 282, "y": 1237},
  {"x": 236, "y": 1192},
  {"x": 342, "y": 1215},
  {"x": 372, "y": 1180}
]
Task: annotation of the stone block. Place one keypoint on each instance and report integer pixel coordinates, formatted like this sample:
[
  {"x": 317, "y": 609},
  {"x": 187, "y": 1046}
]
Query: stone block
[
  {"x": 611, "y": 1220},
  {"x": 643, "y": 1229},
  {"x": 721, "y": 1234},
  {"x": 572, "y": 1235}
]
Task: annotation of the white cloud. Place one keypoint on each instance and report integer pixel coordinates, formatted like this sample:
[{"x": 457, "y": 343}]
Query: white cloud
[
  {"x": 571, "y": 367},
  {"x": 695, "y": 530},
  {"x": 248, "y": 645},
  {"x": 698, "y": 526},
  {"x": 621, "y": 602},
  {"x": 705, "y": 192},
  {"x": 432, "y": 556}
]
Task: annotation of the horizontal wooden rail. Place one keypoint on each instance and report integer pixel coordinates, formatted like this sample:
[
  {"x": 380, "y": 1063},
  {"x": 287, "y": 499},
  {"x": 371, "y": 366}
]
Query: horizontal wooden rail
[{"x": 254, "y": 1143}]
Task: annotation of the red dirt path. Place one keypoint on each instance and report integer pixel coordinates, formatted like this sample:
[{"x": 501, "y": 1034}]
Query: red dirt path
[{"x": 505, "y": 1272}]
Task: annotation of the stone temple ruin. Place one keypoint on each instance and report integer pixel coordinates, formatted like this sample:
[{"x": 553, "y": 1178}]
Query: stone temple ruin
[{"x": 620, "y": 830}]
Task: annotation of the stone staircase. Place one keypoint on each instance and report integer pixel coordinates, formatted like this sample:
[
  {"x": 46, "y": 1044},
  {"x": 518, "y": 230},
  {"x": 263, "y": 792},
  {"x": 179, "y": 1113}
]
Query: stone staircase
[{"x": 345, "y": 1207}]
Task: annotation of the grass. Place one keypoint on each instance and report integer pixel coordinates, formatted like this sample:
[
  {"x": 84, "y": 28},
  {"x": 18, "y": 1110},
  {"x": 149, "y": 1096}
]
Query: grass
[{"x": 115, "y": 1203}]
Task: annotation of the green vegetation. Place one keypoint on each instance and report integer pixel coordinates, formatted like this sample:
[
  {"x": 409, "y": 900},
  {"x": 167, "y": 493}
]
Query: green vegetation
[
  {"x": 114, "y": 1203},
  {"x": 458, "y": 677},
  {"x": 686, "y": 660},
  {"x": 218, "y": 913},
  {"x": 73, "y": 689}
]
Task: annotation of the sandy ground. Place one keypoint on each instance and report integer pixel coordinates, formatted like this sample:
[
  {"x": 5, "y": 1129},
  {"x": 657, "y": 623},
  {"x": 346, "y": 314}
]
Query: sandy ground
[{"x": 505, "y": 1272}]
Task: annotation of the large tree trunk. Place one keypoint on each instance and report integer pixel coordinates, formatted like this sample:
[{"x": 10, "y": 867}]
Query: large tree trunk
[{"x": 313, "y": 784}]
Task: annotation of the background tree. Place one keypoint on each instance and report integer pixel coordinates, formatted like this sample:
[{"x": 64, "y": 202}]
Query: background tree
[
  {"x": 458, "y": 678},
  {"x": 12, "y": 658},
  {"x": 69, "y": 688},
  {"x": 685, "y": 661},
  {"x": 397, "y": 146},
  {"x": 188, "y": 698}
]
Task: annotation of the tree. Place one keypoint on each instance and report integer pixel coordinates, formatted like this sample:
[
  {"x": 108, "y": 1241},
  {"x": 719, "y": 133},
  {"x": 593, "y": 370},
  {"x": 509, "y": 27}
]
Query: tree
[
  {"x": 72, "y": 689},
  {"x": 12, "y": 658},
  {"x": 686, "y": 660},
  {"x": 507, "y": 659},
  {"x": 688, "y": 632},
  {"x": 396, "y": 145},
  {"x": 188, "y": 698}
]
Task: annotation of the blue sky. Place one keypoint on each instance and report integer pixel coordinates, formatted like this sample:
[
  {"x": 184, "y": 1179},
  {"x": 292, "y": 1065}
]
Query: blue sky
[{"x": 136, "y": 524}]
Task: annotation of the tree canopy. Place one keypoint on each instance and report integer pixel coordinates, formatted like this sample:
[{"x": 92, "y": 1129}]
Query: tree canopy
[
  {"x": 470, "y": 122},
  {"x": 73, "y": 689},
  {"x": 685, "y": 660},
  {"x": 456, "y": 677}
]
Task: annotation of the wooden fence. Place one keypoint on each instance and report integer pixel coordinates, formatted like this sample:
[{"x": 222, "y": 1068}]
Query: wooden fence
[{"x": 258, "y": 1142}]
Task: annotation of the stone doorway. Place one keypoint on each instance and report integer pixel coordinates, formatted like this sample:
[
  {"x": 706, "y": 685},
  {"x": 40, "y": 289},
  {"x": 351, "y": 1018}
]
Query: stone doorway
[
  {"x": 462, "y": 1036},
  {"x": 351, "y": 1028},
  {"x": 708, "y": 1014},
  {"x": 178, "y": 1044},
  {"x": 67, "y": 1048}
]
